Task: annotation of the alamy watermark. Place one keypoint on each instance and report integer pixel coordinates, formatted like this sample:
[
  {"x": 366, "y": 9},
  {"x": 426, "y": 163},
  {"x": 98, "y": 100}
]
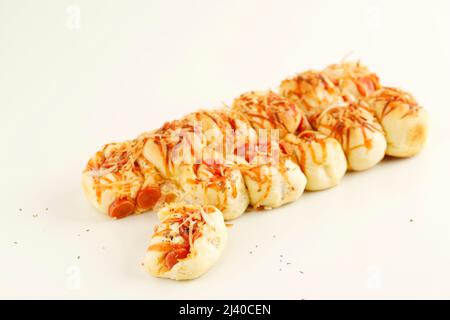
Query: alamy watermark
[{"x": 73, "y": 17}]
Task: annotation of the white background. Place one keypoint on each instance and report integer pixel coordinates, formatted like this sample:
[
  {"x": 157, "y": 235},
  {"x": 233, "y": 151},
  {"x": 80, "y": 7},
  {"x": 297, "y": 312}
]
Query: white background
[{"x": 70, "y": 83}]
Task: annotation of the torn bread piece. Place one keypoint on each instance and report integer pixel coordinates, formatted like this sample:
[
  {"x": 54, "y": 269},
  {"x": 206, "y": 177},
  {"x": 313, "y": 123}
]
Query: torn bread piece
[
  {"x": 188, "y": 241},
  {"x": 268, "y": 110},
  {"x": 320, "y": 157},
  {"x": 354, "y": 80},
  {"x": 404, "y": 121},
  {"x": 358, "y": 132},
  {"x": 312, "y": 92}
]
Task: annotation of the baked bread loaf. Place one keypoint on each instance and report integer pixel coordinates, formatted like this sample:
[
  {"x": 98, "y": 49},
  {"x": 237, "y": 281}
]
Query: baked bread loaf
[{"x": 211, "y": 165}]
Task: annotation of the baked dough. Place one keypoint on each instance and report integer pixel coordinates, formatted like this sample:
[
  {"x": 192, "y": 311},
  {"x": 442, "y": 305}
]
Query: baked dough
[
  {"x": 225, "y": 133},
  {"x": 272, "y": 182},
  {"x": 358, "y": 132},
  {"x": 268, "y": 110},
  {"x": 354, "y": 80},
  {"x": 202, "y": 176},
  {"x": 174, "y": 144},
  {"x": 118, "y": 181},
  {"x": 188, "y": 241},
  {"x": 218, "y": 184},
  {"x": 404, "y": 121},
  {"x": 344, "y": 103},
  {"x": 320, "y": 157},
  {"x": 312, "y": 92}
]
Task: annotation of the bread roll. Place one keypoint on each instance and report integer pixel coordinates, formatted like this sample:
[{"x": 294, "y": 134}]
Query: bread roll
[
  {"x": 312, "y": 92},
  {"x": 268, "y": 110},
  {"x": 118, "y": 181},
  {"x": 188, "y": 241},
  {"x": 358, "y": 132},
  {"x": 404, "y": 121},
  {"x": 354, "y": 80},
  {"x": 272, "y": 181},
  {"x": 320, "y": 157},
  {"x": 218, "y": 184}
]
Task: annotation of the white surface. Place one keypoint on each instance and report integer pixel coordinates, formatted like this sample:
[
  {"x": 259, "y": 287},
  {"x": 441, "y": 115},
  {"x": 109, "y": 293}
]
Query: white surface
[{"x": 132, "y": 65}]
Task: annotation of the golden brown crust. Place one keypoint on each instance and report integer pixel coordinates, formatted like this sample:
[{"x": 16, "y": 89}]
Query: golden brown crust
[{"x": 418, "y": 135}]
